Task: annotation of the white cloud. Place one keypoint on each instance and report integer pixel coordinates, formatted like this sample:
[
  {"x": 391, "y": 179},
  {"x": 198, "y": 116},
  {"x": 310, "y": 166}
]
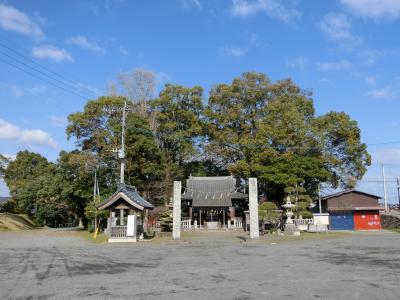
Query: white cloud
[
  {"x": 334, "y": 66},
  {"x": 162, "y": 78},
  {"x": 274, "y": 9},
  {"x": 30, "y": 137},
  {"x": 337, "y": 28},
  {"x": 373, "y": 8},
  {"x": 8, "y": 131},
  {"x": 189, "y": 4},
  {"x": 37, "y": 137},
  {"x": 370, "y": 80},
  {"x": 92, "y": 90},
  {"x": 123, "y": 50},
  {"x": 369, "y": 56},
  {"x": 18, "y": 91},
  {"x": 52, "y": 53},
  {"x": 382, "y": 93},
  {"x": 10, "y": 157},
  {"x": 58, "y": 121},
  {"x": 12, "y": 19},
  {"x": 324, "y": 80},
  {"x": 299, "y": 62},
  {"x": 84, "y": 43},
  {"x": 234, "y": 51},
  {"x": 102, "y": 8}
]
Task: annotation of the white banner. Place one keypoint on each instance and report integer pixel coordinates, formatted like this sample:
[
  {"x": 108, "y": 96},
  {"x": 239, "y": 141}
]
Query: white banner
[{"x": 130, "y": 230}]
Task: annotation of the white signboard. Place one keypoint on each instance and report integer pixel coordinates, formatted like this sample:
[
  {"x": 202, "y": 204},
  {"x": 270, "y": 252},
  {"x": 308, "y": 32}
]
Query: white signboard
[{"x": 131, "y": 226}]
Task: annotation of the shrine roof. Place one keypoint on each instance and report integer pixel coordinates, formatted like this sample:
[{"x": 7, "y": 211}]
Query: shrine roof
[
  {"x": 130, "y": 195},
  {"x": 215, "y": 191}
]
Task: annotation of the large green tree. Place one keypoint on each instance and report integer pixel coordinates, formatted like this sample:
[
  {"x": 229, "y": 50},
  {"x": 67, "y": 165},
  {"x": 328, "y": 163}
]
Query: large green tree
[
  {"x": 35, "y": 183},
  {"x": 270, "y": 131},
  {"x": 20, "y": 178},
  {"x": 4, "y": 161},
  {"x": 97, "y": 130},
  {"x": 178, "y": 112}
]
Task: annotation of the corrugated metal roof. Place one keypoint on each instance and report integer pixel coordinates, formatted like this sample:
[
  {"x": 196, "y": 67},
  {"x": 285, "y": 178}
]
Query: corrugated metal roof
[
  {"x": 347, "y": 192},
  {"x": 212, "y": 191},
  {"x": 356, "y": 208},
  {"x": 131, "y": 193}
]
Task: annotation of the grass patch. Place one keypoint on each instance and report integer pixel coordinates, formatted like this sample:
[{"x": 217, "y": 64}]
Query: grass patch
[
  {"x": 397, "y": 230},
  {"x": 101, "y": 237},
  {"x": 15, "y": 222},
  {"x": 303, "y": 236}
]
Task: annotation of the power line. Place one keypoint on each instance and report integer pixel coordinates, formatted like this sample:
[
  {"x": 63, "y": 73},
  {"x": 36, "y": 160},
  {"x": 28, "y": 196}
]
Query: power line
[
  {"x": 44, "y": 74},
  {"x": 49, "y": 82},
  {"x": 75, "y": 84}
]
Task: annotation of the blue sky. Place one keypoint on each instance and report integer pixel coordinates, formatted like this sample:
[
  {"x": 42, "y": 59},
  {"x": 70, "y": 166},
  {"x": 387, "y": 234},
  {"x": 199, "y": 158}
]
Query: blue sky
[{"x": 346, "y": 51}]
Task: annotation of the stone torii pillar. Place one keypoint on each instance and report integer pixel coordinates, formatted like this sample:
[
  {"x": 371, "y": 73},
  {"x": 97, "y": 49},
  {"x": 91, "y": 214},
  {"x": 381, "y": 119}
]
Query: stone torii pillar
[
  {"x": 253, "y": 207},
  {"x": 176, "y": 212}
]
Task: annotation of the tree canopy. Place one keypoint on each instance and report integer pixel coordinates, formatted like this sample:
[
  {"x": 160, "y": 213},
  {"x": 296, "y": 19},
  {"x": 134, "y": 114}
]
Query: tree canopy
[
  {"x": 270, "y": 131},
  {"x": 251, "y": 127}
]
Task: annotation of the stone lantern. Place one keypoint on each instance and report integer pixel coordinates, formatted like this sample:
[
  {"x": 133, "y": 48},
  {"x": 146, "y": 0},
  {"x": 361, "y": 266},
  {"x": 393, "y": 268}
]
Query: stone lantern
[{"x": 290, "y": 227}]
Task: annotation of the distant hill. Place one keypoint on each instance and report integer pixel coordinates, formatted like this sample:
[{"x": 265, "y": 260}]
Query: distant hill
[{"x": 15, "y": 222}]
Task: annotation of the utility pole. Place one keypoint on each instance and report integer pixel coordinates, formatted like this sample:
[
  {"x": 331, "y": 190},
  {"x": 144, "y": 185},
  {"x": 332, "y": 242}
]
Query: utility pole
[
  {"x": 297, "y": 201},
  {"x": 319, "y": 198},
  {"x": 95, "y": 188},
  {"x": 95, "y": 185},
  {"x": 96, "y": 199},
  {"x": 384, "y": 188},
  {"x": 121, "y": 152},
  {"x": 398, "y": 191}
]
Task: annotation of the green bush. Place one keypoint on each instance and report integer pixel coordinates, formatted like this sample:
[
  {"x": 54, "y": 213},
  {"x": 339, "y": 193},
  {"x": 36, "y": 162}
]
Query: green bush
[{"x": 166, "y": 221}]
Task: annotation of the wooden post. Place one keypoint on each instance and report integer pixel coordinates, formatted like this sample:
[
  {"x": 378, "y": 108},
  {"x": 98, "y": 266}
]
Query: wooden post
[
  {"x": 232, "y": 212},
  {"x": 190, "y": 214},
  {"x": 109, "y": 223},
  {"x": 146, "y": 219}
]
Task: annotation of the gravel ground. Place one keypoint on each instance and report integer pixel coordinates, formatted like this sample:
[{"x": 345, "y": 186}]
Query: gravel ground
[{"x": 43, "y": 264}]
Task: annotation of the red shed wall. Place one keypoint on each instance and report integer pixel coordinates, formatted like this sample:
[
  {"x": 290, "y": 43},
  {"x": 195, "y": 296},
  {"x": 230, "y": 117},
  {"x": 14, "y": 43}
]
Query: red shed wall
[
  {"x": 352, "y": 200},
  {"x": 367, "y": 220}
]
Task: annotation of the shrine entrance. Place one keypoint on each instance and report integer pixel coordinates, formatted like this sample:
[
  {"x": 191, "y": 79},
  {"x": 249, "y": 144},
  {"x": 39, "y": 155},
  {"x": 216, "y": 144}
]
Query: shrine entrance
[{"x": 211, "y": 217}]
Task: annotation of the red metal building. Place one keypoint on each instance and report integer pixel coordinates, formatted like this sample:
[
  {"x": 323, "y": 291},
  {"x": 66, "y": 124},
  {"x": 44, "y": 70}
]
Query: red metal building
[{"x": 367, "y": 219}]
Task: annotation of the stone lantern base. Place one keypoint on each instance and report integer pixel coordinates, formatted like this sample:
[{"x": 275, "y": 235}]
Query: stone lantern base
[{"x": 291, "y": 229}]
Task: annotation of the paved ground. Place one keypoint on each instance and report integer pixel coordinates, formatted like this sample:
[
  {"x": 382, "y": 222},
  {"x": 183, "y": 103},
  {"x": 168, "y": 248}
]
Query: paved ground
[{"x": 52, "y": 265}]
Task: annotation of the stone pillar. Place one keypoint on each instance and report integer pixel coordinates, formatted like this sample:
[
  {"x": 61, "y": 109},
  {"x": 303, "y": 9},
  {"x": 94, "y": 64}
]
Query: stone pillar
[
  {"x": 176, "y": 213},
  {"x": 121, "y": 216},
  {"x": 253, "y": 207},
  {"x": 109, "y": 224},
  {"x": 200, "y": 219}
]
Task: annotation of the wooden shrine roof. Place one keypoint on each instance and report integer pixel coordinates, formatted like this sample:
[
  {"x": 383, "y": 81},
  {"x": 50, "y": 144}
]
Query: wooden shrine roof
[
  {"x": 129, "y": 195},
  {"x": 212, "y": 191}
]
